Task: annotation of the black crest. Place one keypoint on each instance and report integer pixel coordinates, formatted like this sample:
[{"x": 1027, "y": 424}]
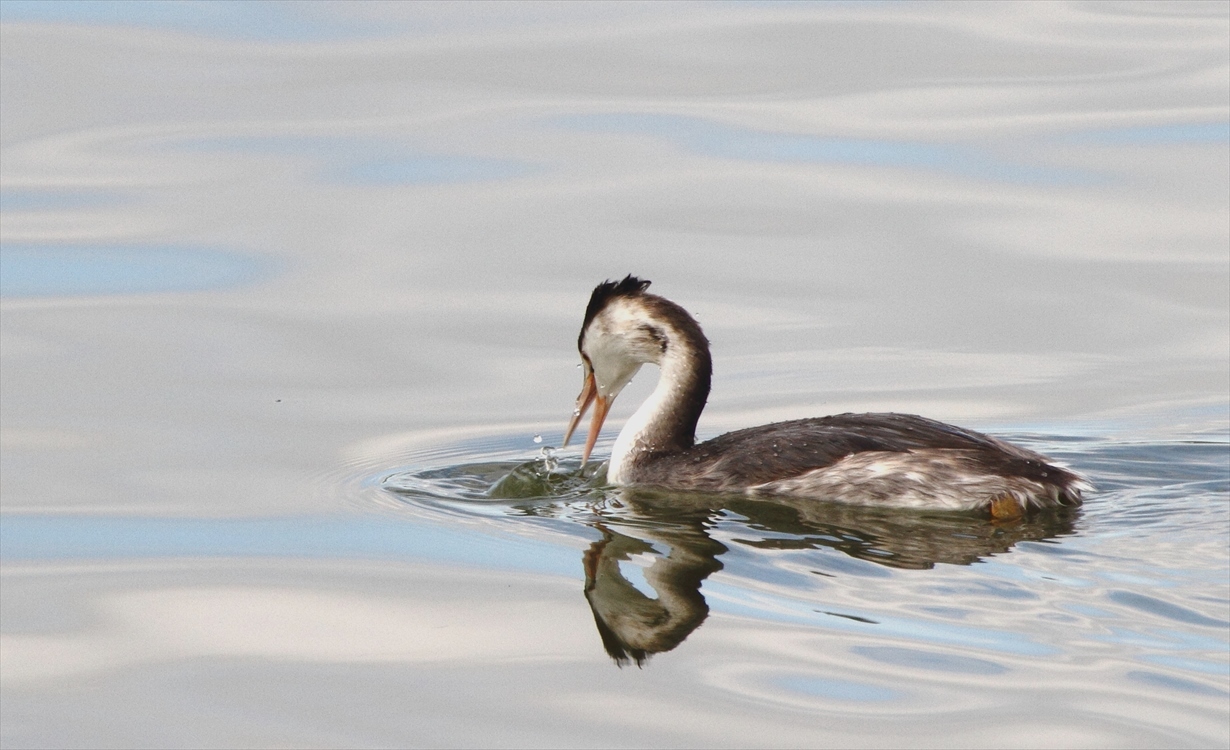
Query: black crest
[{"x": 608, "y": 290}]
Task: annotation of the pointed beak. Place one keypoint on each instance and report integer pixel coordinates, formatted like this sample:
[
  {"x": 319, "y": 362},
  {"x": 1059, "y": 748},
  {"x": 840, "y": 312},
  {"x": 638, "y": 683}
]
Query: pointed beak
[{"x": 589, "y": 395}]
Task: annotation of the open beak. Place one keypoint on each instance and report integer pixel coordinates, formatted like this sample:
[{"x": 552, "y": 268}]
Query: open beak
[{"x": 589, "y": 395}]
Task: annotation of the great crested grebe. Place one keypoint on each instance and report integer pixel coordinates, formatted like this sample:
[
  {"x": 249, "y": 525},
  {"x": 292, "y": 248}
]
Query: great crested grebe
[{"x": 891, "y": 460}]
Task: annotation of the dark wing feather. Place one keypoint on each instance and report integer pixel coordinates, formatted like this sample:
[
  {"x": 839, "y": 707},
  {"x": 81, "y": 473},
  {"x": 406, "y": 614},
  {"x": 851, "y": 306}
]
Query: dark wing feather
[{"x": 785, "y": 449}]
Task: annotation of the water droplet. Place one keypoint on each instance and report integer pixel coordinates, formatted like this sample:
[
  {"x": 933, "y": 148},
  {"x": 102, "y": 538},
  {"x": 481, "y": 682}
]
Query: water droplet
[
  {"x": 537, "y": 438},
  {"x": 549, "y": 462},
  {"x": 576, "y": 412}
]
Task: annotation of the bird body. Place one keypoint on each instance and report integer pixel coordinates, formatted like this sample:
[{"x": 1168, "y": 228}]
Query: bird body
[{"x": 893, "y": 460}]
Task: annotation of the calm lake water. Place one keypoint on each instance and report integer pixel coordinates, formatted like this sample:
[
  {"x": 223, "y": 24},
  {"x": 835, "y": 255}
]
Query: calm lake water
[{"x": 290, "y": 298}]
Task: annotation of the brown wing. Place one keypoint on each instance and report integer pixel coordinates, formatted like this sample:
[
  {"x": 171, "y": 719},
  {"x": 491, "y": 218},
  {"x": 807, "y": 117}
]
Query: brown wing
[{"x": 785, "y": 449}]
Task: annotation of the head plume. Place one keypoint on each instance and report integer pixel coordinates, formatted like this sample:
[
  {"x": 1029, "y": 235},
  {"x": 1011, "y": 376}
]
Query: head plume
[{"x": 606, "y": 291}]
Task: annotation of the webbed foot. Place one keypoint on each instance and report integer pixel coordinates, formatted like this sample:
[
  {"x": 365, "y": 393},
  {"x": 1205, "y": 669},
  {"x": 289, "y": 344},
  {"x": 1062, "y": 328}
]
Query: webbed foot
[{"x": 1006, "y": 508}]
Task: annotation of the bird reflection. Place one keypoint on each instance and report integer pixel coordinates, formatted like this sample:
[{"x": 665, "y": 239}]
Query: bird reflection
[
  {"x": 674, "y": 528},
  {"x": 632, "y": 624}
]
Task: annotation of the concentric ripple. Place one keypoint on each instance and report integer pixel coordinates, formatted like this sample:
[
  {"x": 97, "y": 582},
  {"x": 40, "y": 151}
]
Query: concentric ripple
[
  {"x": 494, "y": 476},
  {"x": 948, "y": 597},
  {"x": 498, "y": 476}
]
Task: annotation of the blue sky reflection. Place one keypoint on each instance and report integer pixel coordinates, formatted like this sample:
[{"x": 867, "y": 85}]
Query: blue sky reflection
[
  {"x": 34, "y": 199},
  {"x": 372, "y": 161},
  {"x": 43, "y": 271},
  {"x": 85, "y": 537},
  {"x": 822, "y": 687},
  {"x": 1205, "y": 133},
  {"x": 725, "y": 597},
  {"x": 429, "y": 170},
  {"x": 238, "y": 19},
  {"x": 723, "y": 141}
]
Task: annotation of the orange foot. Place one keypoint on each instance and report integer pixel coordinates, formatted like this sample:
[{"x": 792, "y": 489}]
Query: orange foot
[{"x": 1006, "y": 507}]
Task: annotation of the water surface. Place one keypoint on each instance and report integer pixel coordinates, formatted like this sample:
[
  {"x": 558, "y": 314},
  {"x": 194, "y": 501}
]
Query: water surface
[{"x": 290, "y": 296}]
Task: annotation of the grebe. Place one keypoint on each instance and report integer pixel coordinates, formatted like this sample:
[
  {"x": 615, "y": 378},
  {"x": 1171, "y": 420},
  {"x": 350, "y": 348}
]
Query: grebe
[{"x": 892, "y": 460}]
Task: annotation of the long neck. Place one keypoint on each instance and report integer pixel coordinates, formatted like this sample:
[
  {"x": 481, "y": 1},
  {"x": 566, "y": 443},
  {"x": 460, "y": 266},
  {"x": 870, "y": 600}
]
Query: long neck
[{"x": 666, "y": 422}]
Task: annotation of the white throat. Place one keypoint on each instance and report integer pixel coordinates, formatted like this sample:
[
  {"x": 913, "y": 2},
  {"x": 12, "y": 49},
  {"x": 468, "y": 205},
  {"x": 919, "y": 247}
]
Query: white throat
[{"x": 633, "y": 439}]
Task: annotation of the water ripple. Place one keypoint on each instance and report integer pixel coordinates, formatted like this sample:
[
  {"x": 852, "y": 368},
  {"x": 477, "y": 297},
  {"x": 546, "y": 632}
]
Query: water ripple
[{"x": 936, "y": 592}]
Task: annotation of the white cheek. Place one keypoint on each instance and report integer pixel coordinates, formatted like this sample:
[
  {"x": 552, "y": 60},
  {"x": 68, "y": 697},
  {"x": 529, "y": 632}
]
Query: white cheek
[
  {"x": 616, "y": 357},
  {"x": 612, "y": 371}
]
